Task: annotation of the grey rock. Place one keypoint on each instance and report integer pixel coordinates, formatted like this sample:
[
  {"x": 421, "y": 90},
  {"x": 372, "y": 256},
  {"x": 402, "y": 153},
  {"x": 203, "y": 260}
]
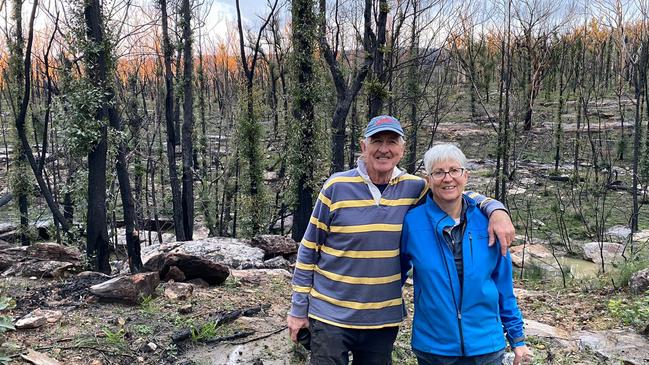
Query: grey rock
[
  {"x": 612, "y": 252},
  {"x": 274, "y": 245},
  {"x": 178, "y": 291},
  {"x": 618, "y": 233},
  {"x": 230, "y": 252},
  {"x": 277, "y": 263},
  {"x": 639, "y": 281}
]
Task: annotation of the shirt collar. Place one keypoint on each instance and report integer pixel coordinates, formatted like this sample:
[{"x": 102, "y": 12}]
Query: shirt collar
[{"x": 362, "y": 170}]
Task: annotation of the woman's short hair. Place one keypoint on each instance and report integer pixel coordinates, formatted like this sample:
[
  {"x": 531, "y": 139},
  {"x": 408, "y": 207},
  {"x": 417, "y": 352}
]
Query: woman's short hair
[{"x": 443, "y": 152}]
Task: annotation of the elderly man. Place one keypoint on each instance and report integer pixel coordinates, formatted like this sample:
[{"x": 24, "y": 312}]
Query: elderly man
[{"x": 347, "y": 280}]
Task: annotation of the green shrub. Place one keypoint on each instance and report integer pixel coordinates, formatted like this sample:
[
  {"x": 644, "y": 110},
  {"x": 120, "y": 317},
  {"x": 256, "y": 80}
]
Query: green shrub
[
  {"x": 6, "y": 324},
  {"x": 634, "y": 312}
]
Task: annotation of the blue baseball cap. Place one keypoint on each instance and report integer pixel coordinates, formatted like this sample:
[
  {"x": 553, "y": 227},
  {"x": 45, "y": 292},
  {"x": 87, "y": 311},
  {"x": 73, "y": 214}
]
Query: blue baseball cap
[{"x": 383, "y": 123}]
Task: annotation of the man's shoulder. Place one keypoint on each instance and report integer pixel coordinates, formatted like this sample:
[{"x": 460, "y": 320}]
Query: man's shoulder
[
  {"x": 417, "y": 211},
  {"x": 348, "y": 176}
]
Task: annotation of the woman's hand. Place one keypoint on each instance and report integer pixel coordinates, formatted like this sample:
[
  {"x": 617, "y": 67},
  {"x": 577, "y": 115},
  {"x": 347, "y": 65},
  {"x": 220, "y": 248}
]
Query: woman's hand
[{"x": 522, "y": 355}]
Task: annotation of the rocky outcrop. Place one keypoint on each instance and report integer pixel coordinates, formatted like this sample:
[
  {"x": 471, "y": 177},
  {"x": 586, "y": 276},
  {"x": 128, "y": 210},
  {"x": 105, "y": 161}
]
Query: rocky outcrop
[
  {"x": 621, "y": 346},
  {"x": 614, "y": 346},
  {"x": 231, "y": 252},
  {"x": 128, "y": 289}
]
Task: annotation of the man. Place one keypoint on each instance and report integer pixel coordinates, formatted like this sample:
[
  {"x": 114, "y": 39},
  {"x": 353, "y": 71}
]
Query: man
[{"x": 347, "y": 280}]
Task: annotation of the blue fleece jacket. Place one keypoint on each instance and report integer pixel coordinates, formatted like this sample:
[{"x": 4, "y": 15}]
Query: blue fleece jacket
[{"x": 448, "y": 320}]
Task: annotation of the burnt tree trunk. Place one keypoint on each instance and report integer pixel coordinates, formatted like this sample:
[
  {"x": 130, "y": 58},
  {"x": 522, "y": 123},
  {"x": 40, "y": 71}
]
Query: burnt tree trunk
[
  {"x": 303, "y": 39},
  {"x": 171, "y": 129},
  {"x": 188, "y": 125},
  {"x": 95, "y": 59}
]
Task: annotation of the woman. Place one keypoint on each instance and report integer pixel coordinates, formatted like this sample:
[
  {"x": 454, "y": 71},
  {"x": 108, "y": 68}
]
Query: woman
[{"x": 464, "y": 296}]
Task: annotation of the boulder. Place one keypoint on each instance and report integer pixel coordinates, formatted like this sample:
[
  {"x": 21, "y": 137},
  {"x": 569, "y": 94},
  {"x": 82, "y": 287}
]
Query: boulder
[
  {"x": 195, "y": 267},
  {"x": 612, "y": 252},
  {"x": 533, "y": 251},
  {"x": 42, "y": 259},
  {"x": 618, "y": 233},
  {"x": 274, "y": 245},
  {"x": 128, "y": 289},
  {"x": 178, "y": 291},
  {"x": 639, "y": 281},
  {"x": 231, "y": 252}
]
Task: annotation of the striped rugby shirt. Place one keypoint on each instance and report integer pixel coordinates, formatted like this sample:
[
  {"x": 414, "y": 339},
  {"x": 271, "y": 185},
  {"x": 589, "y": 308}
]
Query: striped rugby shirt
[{"x": 348, "y": 270}]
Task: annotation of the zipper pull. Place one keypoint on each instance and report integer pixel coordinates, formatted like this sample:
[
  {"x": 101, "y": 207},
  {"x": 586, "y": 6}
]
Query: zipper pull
[{"x": 459, "y": 315}]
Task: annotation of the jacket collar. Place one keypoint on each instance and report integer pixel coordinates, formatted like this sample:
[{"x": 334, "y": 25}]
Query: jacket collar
[{"x": 439, "y": 219}]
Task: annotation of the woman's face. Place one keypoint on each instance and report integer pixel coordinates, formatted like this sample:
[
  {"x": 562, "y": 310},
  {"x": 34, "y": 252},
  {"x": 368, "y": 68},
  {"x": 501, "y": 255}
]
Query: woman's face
[{"x": 447, "y": 188}]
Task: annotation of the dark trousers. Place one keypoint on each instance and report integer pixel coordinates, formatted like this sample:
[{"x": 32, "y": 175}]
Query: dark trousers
[
  {"x": 330, "y": 345},
  {"x": 494, "y": 358}
]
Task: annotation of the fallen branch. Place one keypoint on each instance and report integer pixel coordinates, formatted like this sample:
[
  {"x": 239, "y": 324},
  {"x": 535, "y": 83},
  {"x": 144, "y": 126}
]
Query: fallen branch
[
  {"x": 260, "y": 337},
  {"x": 221, "y": 319},
  {"x": 235, "y": 336}
]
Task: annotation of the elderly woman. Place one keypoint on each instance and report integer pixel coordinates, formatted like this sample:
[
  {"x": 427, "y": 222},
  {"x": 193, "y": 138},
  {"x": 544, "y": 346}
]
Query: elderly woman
[{"x": 464, "y": 296}]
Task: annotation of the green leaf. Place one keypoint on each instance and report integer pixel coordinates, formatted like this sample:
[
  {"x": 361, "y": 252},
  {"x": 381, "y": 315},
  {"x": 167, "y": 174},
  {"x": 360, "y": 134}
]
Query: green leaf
[
  {"x": 6, "y": 324},
  {"x": 4, "y": 360}
]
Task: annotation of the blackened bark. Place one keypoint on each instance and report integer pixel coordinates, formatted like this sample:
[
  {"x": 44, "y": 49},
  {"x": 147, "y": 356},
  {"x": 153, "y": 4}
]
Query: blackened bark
[
  {"x": 303, "y": 39},
  {"x": 95, "y": 59},
  {"x": 132, "y": 237},
  {"x": 188, "y": 125},
  {"x": 171, "y": 130},
  {"x": 376, "y": 94}
]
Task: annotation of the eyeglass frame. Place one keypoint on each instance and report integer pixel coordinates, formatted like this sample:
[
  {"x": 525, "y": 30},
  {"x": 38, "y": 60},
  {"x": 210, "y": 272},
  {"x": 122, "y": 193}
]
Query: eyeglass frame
[{"x": 449, "y": 172}]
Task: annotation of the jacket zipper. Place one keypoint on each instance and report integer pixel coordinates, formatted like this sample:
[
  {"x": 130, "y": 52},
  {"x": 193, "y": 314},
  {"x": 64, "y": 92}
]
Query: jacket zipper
[
  {"x": 471, "y": 245},
  {"x": 459, "y": 308}
]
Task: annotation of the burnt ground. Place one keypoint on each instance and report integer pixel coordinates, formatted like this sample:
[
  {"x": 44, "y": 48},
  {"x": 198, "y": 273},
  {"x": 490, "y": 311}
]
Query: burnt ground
[{"x": 92, "y": 332}]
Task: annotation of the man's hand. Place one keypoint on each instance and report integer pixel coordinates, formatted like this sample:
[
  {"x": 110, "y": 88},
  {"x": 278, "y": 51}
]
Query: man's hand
[
  {"x": 522, "y": 355},
  {"x": 501, "y": 227},
  {"x": 294, "y": 325}
]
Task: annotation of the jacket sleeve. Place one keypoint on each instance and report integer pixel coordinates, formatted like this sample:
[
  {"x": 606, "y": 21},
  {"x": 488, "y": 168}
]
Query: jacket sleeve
[
  {"x": 308, "y": 254},
  {"x": 486, "y": 204},
  {"x": 510, "y": 314}
]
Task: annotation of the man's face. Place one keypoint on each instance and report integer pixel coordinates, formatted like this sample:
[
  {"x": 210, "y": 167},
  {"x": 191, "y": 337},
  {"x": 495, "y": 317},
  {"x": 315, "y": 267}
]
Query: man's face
[
  {"x": 447, "y": 188},
  {"x": 382, "y": 153}
]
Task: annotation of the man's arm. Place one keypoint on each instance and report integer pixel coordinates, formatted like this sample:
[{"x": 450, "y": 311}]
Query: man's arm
[
  {"x": 307, "y": 257},
  {"x": 500, "y": 224}
]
